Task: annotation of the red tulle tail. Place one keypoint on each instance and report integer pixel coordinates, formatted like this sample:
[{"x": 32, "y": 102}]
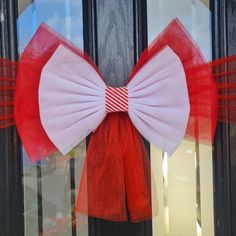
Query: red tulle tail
[{"x": 8, "y": 72}]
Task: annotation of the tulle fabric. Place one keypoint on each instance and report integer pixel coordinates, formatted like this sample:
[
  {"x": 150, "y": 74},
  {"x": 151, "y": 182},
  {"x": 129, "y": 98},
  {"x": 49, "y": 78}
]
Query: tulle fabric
[
  {"x": 8, "y": 72},
  {"x": 115, "y": 183},
  {"x": 224, "y": 72},
  {"x": 201, "y": 87},
  {"x": 35, "y": 56},
  {"x": 116, "y": 174},
  {"x": 132, "y": 198}
]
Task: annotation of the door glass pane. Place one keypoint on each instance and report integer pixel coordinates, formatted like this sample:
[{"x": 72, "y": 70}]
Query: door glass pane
[
  {"x": 183, "y": 182},
  {"x": 50, "y": 185}
]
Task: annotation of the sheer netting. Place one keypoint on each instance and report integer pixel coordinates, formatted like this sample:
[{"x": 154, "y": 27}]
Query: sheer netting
[
  {"x": 116, "y": 174},
  {"x": 8, "y": 72},
  {"x": 224, "y": 73},
  {"x": 27, "y": 117},
  {"x": 115, "y": 183},
  {"x": 201, "y": 87}
]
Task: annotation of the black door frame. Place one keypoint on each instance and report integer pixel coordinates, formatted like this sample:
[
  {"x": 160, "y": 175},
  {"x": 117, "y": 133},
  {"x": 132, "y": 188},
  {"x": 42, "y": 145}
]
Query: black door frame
[
  {"x": 11, "y": 199},
  {"x": 224, "y": 159}
]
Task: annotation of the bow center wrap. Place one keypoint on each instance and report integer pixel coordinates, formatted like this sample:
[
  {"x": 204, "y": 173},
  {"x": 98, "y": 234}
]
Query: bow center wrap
[{"x": 116, "y": 99}]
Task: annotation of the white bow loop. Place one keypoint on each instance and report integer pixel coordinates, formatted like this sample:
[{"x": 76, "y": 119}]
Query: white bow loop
[
  {"x": 158, "y": 100},
  {"x": 71, "y": 99}
]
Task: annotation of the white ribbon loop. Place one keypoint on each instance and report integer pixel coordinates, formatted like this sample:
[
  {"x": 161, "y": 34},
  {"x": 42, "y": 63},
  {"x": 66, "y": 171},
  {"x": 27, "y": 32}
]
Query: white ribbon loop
[
  {"x": 158, "y": 101},
  {"x": 72, "y": 100}
]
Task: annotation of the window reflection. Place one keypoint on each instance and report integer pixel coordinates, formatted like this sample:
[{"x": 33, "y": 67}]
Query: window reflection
[
  {"x": 50, "y": 185},
  {"x": 64, "y": 16},
  {"x": 184, "y": 182}
]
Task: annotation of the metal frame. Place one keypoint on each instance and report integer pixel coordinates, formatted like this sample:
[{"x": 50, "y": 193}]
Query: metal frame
[
  {"x": 223, "y": 37},
  {"x": 11, "y": 203}
]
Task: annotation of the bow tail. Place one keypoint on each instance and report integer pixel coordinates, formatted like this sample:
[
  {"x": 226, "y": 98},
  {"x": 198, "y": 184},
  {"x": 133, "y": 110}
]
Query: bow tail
[
  {"x": 115, "y": 183},
  {"x": 137, "y": 174}
]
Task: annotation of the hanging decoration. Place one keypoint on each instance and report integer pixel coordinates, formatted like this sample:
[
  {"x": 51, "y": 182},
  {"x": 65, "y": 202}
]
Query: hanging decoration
[{"x": 61, "y": 98}]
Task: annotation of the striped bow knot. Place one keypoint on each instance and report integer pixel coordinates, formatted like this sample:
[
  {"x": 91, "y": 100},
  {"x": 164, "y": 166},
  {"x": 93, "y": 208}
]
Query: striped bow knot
[{"x": 116, "y": 99}]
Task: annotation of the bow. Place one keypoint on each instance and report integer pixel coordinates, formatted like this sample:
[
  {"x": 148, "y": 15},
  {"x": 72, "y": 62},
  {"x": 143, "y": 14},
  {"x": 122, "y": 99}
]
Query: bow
[
  {"x": 74, "y": 100},
  {"x": 61, "y": 97}
]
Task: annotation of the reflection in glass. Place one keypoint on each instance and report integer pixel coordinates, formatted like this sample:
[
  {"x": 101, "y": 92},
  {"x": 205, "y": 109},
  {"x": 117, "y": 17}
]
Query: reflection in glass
[
  {"x": 184, "y": 182},
  {"x": 50, "y": 185}
]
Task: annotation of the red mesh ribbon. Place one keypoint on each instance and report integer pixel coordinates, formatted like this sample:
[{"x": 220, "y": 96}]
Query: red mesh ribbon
[
  {"x": 115, "y": 183},
  {"x": 35, "y": 56},
  {"x": 224, "y": 72},
  {"x": 129, "y": 180},
  {"x": 116, "y": 174},
  {"x": 8, "y": 72},
  {"x": 201, "y": 86}
]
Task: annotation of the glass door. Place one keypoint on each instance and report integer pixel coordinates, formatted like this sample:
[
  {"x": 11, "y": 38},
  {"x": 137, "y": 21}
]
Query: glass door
[
  {"x": 50, "y": 185},
  {"x": 183, "y": 182}
]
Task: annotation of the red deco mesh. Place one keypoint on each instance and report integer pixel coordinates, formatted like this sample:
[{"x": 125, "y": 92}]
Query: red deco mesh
[
  {"x": 224, "y": 72},
  {"x": 115, "y": 183},
  {"x": 35, "y": 56},
  {"x": 8, "y": 70},
  {"x": 201, "y": 86}
]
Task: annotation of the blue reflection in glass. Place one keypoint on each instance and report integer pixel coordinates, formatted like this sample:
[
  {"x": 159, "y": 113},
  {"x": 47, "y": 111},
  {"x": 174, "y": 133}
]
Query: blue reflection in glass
[{"x": 64, "y": 16}]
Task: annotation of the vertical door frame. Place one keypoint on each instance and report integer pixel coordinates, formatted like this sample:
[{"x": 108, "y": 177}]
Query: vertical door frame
[
  {"x": 224, "y": 158},
  {"x": 11, "y": 202}
]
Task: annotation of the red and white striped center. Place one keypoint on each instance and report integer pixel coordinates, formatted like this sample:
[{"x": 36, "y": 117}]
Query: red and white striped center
[{"x": 116, "y": 99}]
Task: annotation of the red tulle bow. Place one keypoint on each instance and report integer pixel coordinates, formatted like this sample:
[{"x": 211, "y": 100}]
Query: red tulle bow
[{"x": 115, "y": 183}]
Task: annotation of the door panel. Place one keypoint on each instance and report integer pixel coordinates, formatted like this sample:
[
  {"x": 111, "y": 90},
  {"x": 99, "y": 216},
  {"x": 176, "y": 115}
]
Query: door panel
[
  {"x": 183, "y": 182},
  {"x": 50, "y": 185}
]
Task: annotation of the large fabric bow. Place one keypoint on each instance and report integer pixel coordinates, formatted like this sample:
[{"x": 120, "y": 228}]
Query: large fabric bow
[
  {"x": 74, "y": 100},
  {"x": 61, "y": 97}
]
